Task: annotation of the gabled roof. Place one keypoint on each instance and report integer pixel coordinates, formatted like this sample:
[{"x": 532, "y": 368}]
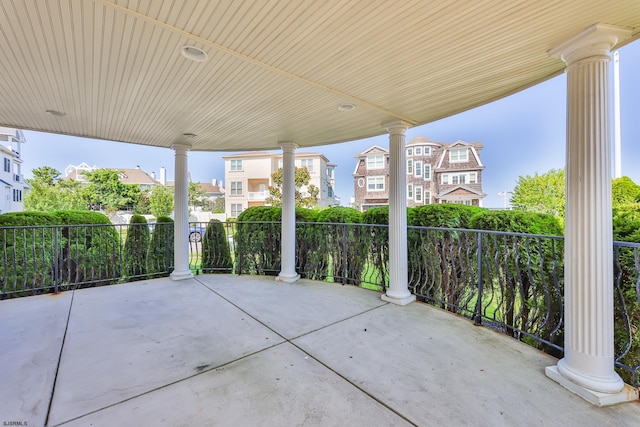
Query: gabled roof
[
  {"x": 472, "y": 147},
  {"x": 462, "y": 187},
  {"x": 369, "y": 150}
]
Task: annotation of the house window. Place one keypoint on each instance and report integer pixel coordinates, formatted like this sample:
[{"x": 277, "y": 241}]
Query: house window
[
  {"x": 427, "y": 151},
  {"x": 236, "y": 165},
  {"x": 418, "y": 197},
  {"x": 7, "y": 165},
  {"x": 307, "y": 163},
  {"x": 427, "y": 197},
  {"x": 473, "y": 177},
  {"x": 445, "y": 178},
  {"x": 418, "y": 151},
  {"x": 236, "y": 188},
  {"x": 410, "y": 166},
  {"x": 458, "y": 155},
  {"x": 409, "y": 151},
  {"x": 458, "y": 179},
  {"x": 427, "y": 172},
  {"x": 409, "y": 191},
  {"x": 329, "y": 172},
  {"x": 418, "y": 168},
  {"x": 375, "y": 161},
  {"x": 236, "y": 209},
  {"x": 375, "y": 183},
  {"x": 17, "y": 195},
  {"x": 330, "y": 192}
]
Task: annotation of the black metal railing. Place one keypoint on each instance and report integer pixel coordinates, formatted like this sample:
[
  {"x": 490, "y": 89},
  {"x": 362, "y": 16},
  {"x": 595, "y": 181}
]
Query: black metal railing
[{"x": 511, "y": 282}]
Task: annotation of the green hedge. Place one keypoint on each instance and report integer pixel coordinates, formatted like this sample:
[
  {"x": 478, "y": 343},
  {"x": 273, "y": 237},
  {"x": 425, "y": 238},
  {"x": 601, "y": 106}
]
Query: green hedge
[
  {"x": 161, "y": 248},
  {"x": 216, "y": 255},
  {"x": 343, "y": 246},
  {"x": 258, "y": 240},
  {"x": 135, "y": 248},
  {"x": 30, "y": 256},
  {"x": 91, "y": 250}
]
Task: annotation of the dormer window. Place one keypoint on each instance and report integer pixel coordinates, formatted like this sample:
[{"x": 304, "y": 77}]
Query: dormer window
[
  {"x": 458, "y": 155},
  {"x": 375, "y": 161}
]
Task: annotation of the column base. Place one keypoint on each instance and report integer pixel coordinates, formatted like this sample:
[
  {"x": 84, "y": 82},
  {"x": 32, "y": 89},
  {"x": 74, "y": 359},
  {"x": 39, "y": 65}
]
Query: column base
[
  {"x": 181, "y": 275},
  {"x": 287, "y": 278},
  {"x": 628, "y": 393},
  {"x": 398, "y": 301}
]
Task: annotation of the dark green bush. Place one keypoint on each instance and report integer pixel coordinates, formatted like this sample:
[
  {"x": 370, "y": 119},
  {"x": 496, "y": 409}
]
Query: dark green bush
[
  {"x": 29, "y": 257},
  {"x": 343, "y": 252},
  {"x": 161, "y": 248},
  {"x": 136, "y": 247},
  {"x": 91, "y": 250},
  {"x": 517, "y": 221},
  {"x": 216, "y": 256},
  {"x": 258, "y": 240},
  {"x": 378, "y": 240},
  {"x": 531, "y": 268},
  {"x": 443, "y": 215}
]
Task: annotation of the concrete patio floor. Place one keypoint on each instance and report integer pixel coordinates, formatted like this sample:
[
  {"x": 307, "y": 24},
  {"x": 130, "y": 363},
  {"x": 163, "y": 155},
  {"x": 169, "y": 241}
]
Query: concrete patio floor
[{"x": 245, "y": 350}]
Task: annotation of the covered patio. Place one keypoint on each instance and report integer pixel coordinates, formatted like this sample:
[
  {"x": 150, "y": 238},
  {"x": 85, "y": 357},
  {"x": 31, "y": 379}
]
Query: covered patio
[
  {"x": 219, "y": 76},
  {"x": 241, "y": 350}
]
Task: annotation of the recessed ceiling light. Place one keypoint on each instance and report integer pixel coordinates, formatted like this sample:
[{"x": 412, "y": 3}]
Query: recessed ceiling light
[
  {"x": 346, "y": 107},
  {"x": 57, "y": 113},
  {"x": 189, "y": 135},
  {"x": 193, "y": 53}
]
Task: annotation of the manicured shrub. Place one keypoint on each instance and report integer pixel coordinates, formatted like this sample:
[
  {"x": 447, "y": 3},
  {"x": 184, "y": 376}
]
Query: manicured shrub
[
  {"x": 343, "y": 244},
  {"x": 258, "y": 240},
  {"x": 216, "y": 256},
  {"x": 378, "y": 240},
  {"x": 29, "y": 255},
  {"x": 531, "y": 269},
  {"x": 161, "y": 249},
  {"x": 136, "y": 247},
  {"x": 91, "y": 251},
  {"x": 443, "y": 215}
]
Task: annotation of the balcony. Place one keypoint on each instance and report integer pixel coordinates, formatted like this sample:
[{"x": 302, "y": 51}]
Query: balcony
[
  {"x": 258, "y": 196},
  {"x": 245, "y": 350}
]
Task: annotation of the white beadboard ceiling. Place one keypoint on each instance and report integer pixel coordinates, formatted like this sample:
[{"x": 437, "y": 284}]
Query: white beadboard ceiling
[{"x": 277, "y": 69}]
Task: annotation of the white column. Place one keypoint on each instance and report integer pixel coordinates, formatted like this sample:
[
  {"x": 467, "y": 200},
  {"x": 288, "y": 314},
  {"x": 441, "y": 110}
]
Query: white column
[
  {"x": 588, "y": 364},
  {"x": 398, "y": 292},
  {"x": 288, "y": 251},
  {"x": 181, "y": 269}
]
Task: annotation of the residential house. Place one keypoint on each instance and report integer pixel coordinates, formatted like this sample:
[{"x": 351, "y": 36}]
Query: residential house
[
  {"x": 248, "y": 178},
  {"x": 134, "y": 176},
  {"x": 436, "y": 172},
  {"x": 12, "y": 183}
]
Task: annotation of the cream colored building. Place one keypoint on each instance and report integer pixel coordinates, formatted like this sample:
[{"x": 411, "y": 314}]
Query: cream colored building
[{"x": 248, "y": 177}]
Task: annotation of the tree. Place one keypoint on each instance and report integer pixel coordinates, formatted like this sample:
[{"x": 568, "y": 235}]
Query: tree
[
  {"x": 161, "y": 201},
  {"x": 301, "y": 178},
  {"x": 218, "y": 205},
  {"x": 48, "y": 193},
  {"x": 541, "y": 193},
  {"x": 105, "y": 188},
  {"x": 624, "y": 192},
  {"x": 196, "y": 194}
]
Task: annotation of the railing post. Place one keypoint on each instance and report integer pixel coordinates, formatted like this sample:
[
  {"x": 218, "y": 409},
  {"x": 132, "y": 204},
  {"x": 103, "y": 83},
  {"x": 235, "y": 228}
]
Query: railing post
[
  {"x": 237, "y": 248},
  {"x": 56, "y": 257},
  {"x": 344, "y": 254},
  {"x": 477, "y": 317}
]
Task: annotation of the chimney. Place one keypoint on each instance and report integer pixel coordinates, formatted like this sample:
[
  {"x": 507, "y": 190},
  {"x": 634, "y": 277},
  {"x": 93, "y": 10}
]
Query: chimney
[
  {"x": 153, "y": 175},
  {"x": 214, "y": 181},
  {"x": 163, "y": 176}
]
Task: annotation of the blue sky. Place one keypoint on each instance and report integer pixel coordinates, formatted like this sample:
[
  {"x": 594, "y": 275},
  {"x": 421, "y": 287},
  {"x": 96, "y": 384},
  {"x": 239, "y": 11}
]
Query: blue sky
[{"x": 522, "y": 134}]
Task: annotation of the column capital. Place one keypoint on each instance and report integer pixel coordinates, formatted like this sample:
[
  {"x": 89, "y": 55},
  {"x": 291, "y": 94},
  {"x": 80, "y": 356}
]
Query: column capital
[
  {"x": 181, "y": 146},
  {"x": 396, "y": 127},
  {"x": 596, "y": 40},
  {"x": 288, "y": 146}
]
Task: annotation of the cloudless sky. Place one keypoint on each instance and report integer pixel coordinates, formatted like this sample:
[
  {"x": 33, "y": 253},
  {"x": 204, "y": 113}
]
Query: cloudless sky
[{"x": 522, "y": 134}]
